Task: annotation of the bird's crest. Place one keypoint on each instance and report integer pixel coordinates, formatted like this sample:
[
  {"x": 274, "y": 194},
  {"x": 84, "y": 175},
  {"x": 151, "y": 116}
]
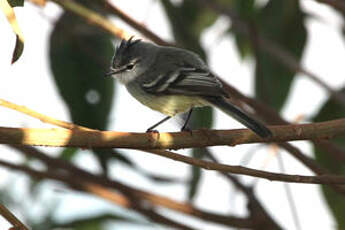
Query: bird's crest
[{"x": 125, "y": 45}]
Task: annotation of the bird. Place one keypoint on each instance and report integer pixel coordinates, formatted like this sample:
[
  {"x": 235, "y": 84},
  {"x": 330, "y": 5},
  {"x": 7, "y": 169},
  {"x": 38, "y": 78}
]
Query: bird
[{"x": 172, "y": 81}]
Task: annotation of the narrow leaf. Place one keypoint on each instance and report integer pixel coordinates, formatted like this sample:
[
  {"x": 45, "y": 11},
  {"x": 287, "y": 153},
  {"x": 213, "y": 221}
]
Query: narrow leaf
[
  {"x": 11, "y": 17},
  {"x": 15, "y": 3},
  {"x": 80, "y": 55},
  {"x": 283, "y": 23},
  {"x": 332, "y": 110}
]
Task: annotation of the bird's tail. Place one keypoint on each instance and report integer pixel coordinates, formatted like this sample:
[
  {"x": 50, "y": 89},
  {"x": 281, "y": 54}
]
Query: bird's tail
[{"x": 240, "y": 116}]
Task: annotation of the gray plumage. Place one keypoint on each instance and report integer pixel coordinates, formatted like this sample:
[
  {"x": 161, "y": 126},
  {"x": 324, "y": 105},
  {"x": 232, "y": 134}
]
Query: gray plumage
[{"x": 173, "y": 80}]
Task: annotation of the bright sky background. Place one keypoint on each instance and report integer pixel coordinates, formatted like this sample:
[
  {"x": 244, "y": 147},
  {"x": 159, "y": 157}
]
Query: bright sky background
[{"x": 28, "y": 82}]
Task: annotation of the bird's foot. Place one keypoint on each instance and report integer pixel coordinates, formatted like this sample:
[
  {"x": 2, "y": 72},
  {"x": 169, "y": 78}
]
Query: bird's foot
[
  {"x": 186, "y": 129},
  {"x": 152, "y": 131}
]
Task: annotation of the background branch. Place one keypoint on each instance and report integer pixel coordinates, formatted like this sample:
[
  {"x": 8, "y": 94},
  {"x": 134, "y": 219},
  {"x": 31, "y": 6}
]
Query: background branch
[
  {"x": 99, "y": 185},
  {"x": 11, "y": 218}
]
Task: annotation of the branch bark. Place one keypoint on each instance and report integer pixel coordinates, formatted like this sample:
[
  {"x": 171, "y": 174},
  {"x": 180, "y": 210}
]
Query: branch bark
[
  {"x": 322, "y": 179},
  {"x": 11, "y": 218},
  {"x": 176, "y": 140}
]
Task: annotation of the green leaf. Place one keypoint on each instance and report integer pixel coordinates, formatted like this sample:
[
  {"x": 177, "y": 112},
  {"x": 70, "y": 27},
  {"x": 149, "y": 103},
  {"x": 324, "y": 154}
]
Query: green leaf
[
  {"x": 15, "y": 3},
  {"x": 283, "y": 23},
  {"x": 6, "y": 8},
  {"x": 196, "y": 175},
  {"x": 18, "y": 49},
  {"x": 188, "y": 20},
  {"x": 201, "y": 118},
  {"x": 68, "y": 153},
  {"x": 246, "y": 10},
  {"x": 329, "y": 111},
  {"x": 80, "y": 55}
]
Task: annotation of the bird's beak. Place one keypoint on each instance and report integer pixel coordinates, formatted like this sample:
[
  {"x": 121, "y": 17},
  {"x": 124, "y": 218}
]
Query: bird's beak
[{"x": 115, "y": 71}]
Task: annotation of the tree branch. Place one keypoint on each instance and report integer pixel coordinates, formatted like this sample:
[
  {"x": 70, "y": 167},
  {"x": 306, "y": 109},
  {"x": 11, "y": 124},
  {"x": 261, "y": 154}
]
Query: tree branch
[
  {"x": 323, "y": 179},
  {"x": 11, "y": 218},
  {"x": 92, "y": 17},
  {"x": 98, "y": 185},
  {"x": 175, "y": 140},
  {"x": 41, "y": 117},
  {"x": 336, "y": 4},
  {"x": 138, "y": 26},
  {"x": 88, "y": 139},
  {"x": 260, "y": 218}
]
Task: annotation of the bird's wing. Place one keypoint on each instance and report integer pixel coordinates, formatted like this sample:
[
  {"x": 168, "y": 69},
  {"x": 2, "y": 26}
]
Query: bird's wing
[{"x": 185, "y": 81}]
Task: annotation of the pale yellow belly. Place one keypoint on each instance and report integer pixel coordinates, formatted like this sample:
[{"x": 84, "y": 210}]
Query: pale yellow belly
[{"x": 170, "y": 104}]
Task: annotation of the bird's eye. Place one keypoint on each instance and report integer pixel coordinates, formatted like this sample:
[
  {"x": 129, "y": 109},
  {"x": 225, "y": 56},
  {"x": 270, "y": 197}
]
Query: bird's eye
[{"x": 129, "y": 66}]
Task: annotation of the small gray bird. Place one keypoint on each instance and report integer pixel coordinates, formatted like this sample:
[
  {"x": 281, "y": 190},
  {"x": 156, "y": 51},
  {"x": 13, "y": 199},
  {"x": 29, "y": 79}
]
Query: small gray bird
[{"x": 173, "y": 80}]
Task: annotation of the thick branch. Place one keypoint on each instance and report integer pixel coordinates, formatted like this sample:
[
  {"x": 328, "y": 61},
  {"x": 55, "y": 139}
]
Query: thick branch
[{"x": 177, "y": 140}]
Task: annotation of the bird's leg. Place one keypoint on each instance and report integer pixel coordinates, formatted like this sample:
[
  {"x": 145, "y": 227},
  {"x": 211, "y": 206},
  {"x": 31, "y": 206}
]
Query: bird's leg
[
  {"x": 151, "y": 129},
  {"x": 184, "y": 127}
]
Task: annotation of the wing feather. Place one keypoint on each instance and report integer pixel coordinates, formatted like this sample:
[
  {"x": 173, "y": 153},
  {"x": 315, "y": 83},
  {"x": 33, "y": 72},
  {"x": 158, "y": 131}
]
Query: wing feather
[{"x": 185, "y": 81}]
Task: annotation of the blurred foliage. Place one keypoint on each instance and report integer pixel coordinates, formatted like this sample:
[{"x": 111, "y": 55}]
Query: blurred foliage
[
  {"x": 80, "y": 55},
  {"x": 15, "y": 3},
  {"x": 283, "y": 23},
  {"x": 329, "y": 111}
]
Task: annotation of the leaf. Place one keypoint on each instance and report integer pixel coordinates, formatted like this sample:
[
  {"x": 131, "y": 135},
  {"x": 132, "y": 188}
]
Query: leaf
[
  {"x": 196, "y": 175},
  {"x": 246, "y": 10},
  {"x": 202, "y": 118},
  {"x": 283, "y": 23},
  {"x": 329, "y": 111},
  {"x": 68, "y": 153},
  {"x": 11, "y": 17},
  {"x": 188, "y": 20},
  {"x": 15, "y": 3},
  {"x": 80, "y": 55}
]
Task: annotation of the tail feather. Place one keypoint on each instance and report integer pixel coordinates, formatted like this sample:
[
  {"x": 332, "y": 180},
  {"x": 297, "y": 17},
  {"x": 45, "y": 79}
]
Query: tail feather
[{"x": 240, "y": 116}]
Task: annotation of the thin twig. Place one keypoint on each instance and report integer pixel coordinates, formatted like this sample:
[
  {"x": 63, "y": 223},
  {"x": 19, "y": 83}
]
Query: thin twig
[
  {"x": 41, "y": 117},
  {"x": 323, "y": 179},
  {"x": 11, "y": 218},
  {"x": 289, "y": 195},
  {"x": 135, "y": 24},
  {"x": 261, "y": 219},
  {"x": 92, "y": 17}
]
